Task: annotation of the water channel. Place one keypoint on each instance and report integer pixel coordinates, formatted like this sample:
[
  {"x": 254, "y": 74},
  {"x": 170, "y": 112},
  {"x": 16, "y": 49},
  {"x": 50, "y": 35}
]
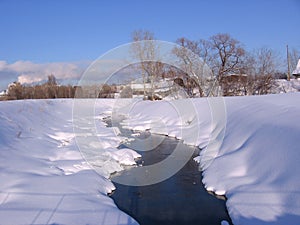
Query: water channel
[{"x": 181, "y": 199}]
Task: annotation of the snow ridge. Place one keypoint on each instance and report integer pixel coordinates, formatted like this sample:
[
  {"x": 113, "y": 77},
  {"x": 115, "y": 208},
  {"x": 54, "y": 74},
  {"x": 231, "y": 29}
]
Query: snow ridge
[
  {"x": 257, "y": 163},
  {"x": 45, "y": 179}
]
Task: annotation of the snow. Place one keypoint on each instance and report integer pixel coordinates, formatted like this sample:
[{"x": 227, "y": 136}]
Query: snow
[
  {"x": 3, "y": 93},
  {"x": 250, "y": 154},
  {"x": 44, "y": 178},
  {"x": 257, "y": 161},
  {"x": 284, "y": 86}
]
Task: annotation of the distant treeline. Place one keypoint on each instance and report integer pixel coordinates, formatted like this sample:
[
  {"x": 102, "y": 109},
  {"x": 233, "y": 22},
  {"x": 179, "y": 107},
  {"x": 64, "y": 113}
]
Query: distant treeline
[
  {"x": 51, "y": 89},
  {"x": 234, "y": 85}
]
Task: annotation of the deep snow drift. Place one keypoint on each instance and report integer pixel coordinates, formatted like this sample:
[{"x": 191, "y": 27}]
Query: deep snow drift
[
  {"x": 44, "y": 179},
  {"x": 255, "y": 152},
  {"x": 250, "y": 153}
]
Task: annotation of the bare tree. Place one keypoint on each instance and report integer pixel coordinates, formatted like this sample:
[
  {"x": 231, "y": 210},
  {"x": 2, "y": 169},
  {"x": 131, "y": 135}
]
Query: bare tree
[
  {"x": 146, "y": 51},
  {"x": 247, "y": 71},
  {"x": 15, "y": 91},
  {"x": 227, "y": 53},
  {"x": 265, "y": 64},
  {"x": 193, "y": 56},
  {"x": 253, "y": 73},
  {"x": 107, "y": 91},
  {"x": 267, "y": 61},
  {"x": 51, "y": 80},
  {"x": 188, "y": 53},
  {"x": 51, "y": 87},
  {"x": 294, "y": 57}
]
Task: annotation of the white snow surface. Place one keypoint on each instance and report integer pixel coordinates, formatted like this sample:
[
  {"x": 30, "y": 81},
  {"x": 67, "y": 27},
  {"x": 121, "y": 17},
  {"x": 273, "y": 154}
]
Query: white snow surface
[
  {"x": 45, "y": 180},
  {"x": 257, "y": 163},
  {"x": 284, "y": 86}
]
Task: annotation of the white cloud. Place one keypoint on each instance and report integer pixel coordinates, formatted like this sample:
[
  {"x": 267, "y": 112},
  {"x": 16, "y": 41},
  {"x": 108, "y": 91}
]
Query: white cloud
[{"x": 27, "y": 72}]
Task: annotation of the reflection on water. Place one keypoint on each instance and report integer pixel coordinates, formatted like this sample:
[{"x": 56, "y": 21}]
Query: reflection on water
[{"x": 181, "y": 199}]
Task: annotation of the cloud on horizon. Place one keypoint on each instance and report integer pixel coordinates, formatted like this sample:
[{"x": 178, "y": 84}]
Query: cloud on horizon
[
  {"x": 27, "y": 72},
  {"x": 81, "y": 72}
]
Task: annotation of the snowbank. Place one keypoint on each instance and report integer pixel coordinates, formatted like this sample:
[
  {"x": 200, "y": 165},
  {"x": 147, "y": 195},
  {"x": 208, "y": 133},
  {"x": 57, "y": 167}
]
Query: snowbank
[
  {"x": 257, "y": 163},
  {"x": 44, "y": 178},
  {"x": 284, "y": 86},
  {"x": 253, "y": 141}
]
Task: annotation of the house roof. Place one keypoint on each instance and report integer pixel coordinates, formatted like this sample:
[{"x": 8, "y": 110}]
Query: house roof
[{"x": 297, "y": 70}]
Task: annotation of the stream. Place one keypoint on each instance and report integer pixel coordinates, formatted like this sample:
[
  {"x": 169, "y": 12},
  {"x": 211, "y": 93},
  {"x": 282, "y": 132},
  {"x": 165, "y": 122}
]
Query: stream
[{"x": 180, "y": 199}]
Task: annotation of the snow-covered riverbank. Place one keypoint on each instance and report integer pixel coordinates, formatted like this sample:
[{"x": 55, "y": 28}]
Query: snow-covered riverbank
[
  {"x": 257, "y": 161},
  {"x": 45, "y": 180}
]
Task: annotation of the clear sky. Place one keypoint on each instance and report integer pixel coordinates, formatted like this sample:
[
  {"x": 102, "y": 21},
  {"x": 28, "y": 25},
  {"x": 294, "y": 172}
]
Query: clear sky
[{"x": 42, "y": 32}]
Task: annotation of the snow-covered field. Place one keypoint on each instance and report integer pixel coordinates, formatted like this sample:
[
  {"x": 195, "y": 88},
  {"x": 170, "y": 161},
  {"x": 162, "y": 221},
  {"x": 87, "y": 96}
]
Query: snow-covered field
[{"x": 252, "y": 156}]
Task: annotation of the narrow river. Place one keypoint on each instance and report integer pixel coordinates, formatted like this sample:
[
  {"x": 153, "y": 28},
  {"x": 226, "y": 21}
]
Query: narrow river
[{"x": 181, "y": 199}]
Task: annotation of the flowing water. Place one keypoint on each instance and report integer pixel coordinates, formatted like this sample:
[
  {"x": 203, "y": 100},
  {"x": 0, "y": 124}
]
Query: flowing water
[{"x": 181, "y": 199}]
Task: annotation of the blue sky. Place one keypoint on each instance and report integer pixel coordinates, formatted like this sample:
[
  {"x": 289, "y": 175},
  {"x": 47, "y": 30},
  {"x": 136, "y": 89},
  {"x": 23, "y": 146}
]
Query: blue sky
[{"x": 56, "y": 31}]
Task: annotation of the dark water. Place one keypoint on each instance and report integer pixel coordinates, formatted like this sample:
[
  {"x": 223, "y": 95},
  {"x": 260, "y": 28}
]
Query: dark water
[{"x": 181, "y": 199}]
